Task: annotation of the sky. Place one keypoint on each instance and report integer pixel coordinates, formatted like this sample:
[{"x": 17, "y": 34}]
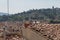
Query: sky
[{"x": 16, "y": 6}]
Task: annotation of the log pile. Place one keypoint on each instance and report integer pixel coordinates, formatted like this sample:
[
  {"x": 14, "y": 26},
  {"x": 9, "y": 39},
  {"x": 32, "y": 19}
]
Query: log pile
[{"x": 51, "y": 31}]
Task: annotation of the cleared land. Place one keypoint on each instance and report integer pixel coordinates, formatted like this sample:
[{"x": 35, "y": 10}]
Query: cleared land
[{"x": 35, "y": 31}]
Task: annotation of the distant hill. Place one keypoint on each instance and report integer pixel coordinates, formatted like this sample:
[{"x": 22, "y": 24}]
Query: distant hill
[
  {"x": 46, "y": 14},
  {"x": 40, "y": 14},
  {"x": 1, "y": 13}
]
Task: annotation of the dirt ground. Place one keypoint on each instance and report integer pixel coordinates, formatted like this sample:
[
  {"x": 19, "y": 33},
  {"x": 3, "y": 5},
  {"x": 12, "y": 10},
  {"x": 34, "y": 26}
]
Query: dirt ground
[{"x": 1, "y": 38}]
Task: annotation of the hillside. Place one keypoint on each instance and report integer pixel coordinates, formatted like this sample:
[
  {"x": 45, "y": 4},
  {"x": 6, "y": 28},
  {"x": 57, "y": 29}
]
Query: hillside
[
  {"x": 35, "y": 14},
  {"x": 40, "y": 14}
]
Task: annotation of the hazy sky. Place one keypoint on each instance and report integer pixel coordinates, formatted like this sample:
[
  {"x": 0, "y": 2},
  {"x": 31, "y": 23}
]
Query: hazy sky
[{"x": 24, "y": 5}]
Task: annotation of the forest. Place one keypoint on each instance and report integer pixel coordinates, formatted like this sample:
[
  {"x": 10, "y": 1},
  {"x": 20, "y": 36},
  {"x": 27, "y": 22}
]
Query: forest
[{"x": 45, "y": 14}]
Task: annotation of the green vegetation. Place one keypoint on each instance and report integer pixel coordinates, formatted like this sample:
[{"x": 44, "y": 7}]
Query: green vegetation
[{"x": 37, "y": 14}]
